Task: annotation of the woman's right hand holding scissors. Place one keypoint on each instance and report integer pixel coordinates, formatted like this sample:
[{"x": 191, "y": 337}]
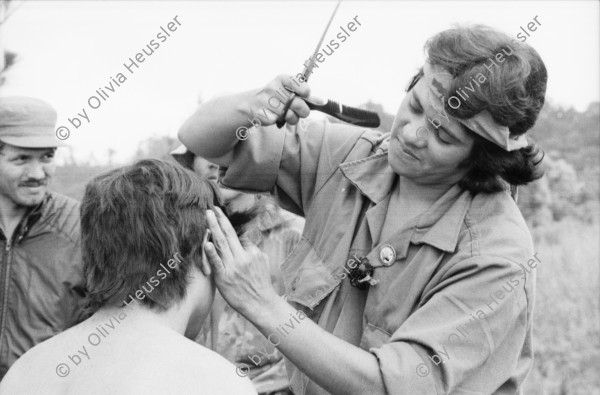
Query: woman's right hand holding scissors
[{"x": 270, "y": 101}]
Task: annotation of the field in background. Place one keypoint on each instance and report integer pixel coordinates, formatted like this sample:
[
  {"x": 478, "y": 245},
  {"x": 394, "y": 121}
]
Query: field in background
[{"x": 567, "y": 310}]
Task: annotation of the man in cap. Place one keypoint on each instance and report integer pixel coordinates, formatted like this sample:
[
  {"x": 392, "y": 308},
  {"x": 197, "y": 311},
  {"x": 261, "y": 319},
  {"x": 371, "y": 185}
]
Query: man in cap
[{"x": 41, "y": 276}]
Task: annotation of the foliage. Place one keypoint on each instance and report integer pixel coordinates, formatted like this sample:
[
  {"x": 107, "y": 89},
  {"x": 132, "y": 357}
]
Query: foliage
[
  {"x": 567, "y": 310},
  {"x": 574, "y": 136},
  {"x": 7, "y": 58}
]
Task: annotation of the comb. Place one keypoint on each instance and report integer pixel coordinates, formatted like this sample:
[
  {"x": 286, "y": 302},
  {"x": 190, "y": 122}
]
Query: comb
[{"x": 352, "y": 115}]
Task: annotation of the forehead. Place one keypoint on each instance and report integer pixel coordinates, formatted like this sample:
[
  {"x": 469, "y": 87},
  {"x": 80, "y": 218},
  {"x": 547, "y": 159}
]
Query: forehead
[
  {"x": 434, "y": 85},
  {"x": 11, "y": 150},
  {"x": 431, "y": 93}
]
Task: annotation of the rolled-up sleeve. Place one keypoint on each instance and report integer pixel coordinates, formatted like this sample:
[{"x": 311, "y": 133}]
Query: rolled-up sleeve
[
  {"x": 291, "y": 163},
  {"x": 468, "y": 334}
]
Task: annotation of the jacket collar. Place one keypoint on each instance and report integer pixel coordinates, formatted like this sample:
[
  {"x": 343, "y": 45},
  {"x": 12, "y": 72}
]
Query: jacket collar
[
  {"x": 32, "y": 216},
  {"x": 439, "y": 226},
  {"x": 373, "y": 176}
]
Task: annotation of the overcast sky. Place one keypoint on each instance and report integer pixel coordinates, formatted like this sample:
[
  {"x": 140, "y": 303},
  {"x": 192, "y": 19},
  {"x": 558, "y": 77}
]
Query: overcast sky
[{"x": 69, "y": 49}]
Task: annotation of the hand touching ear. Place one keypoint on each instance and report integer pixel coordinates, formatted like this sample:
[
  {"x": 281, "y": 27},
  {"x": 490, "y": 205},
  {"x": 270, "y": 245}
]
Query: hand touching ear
[{"x": 242, "y": 273}]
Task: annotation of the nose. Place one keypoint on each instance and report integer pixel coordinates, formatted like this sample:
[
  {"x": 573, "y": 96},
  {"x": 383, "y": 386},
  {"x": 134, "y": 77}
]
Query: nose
[
  {"x": 415, "y": 135},
  {"x": 35, "y": 171}
]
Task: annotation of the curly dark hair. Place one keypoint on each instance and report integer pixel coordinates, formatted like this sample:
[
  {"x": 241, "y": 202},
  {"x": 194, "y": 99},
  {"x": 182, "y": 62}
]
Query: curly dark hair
[{"x": 514, "y": 94}]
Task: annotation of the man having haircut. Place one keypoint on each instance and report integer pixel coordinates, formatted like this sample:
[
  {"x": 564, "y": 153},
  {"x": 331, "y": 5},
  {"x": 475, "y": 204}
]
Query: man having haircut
[
  {"x": 275, "y": 232},
  {"x": 150, "y": 289}
]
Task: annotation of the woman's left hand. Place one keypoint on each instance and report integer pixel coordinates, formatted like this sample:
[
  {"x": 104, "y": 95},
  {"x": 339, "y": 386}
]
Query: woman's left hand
[
  {"x": 241, "y": 272},
  {"x": 242, "y": 276}
]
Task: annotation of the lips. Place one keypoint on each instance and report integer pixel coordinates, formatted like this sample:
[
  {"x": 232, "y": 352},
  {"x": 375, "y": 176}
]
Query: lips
[
  {"x": 406, "y": 150},
  {"x": 32, "y": 184}
]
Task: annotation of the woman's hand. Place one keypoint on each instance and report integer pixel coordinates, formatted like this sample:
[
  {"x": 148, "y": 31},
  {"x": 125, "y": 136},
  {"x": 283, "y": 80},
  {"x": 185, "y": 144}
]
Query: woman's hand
[
  {"x": 242, "y": 276},
  {"x": 220, "y": 123},
  {"x": 269, "y": 102},
  {"x": 241, "y": 271}
]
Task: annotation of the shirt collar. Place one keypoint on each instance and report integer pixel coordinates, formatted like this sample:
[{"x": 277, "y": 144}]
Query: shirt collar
[
  {"x": 32, "y": 216},
  {"x": 373, "y": 176},
  {"x": 439, "y": 226}
]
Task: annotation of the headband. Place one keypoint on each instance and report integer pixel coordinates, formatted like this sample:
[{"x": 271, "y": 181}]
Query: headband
[{"x": 482, "y": 123}]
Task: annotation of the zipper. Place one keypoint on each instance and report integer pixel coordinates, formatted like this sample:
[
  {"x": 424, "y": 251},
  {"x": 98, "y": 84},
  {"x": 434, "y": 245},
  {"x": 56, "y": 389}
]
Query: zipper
[
  {"x": 4, "y": 275},
  {"x": 5, "y": 270}
]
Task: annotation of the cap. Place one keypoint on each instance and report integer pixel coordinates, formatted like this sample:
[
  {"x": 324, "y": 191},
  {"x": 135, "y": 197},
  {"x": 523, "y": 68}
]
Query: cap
[
  {"x": 27, "y": 122},
  {"x": 183, "y": 156}
]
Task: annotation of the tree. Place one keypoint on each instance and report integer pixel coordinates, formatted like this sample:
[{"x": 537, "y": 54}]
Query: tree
[{"x": 7, "y": 58}]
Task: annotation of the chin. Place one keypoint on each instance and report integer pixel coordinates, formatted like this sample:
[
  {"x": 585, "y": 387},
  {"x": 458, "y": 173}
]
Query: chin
[
  {"x": 399, "y": 166},
  {"x": 30, "y": 200}
]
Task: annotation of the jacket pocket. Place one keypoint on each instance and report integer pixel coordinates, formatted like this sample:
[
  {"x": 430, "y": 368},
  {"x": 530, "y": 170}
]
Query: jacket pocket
[{"x": 307, "y": 279}]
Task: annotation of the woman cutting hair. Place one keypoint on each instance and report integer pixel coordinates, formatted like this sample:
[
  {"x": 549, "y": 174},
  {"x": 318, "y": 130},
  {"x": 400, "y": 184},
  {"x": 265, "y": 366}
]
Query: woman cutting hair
[{"x": 414, "y": 274}]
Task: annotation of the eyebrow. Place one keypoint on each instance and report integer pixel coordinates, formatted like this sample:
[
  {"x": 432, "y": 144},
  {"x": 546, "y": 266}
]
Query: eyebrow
[
  {"x": 442, "y": 120},
  {"x": 30, "y": 153}
]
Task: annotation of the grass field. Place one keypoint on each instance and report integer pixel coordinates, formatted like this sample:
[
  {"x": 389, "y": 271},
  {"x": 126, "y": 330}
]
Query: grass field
[{"x": 567, "y": 310}]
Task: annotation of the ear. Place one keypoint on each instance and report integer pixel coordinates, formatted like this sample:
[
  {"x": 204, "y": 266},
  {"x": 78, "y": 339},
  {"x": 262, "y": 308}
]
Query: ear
[
  {"x": 217, "y": 198},
  {"x": 205, "y": 265}
]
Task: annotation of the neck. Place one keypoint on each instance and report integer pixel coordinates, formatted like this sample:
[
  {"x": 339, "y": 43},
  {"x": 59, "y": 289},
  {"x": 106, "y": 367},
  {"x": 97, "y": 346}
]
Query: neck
[
  {"x": 10, "y": 216},
  {"x": 183, "y": 317},
  {"x": 138, "y": 315},
  {"x": 420, "y": 194}
]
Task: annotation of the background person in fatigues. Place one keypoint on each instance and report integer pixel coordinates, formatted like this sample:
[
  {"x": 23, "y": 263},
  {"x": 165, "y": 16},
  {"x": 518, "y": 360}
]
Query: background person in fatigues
[
  {"x": 424, "y": 211},
  {"x": 276, "y": 232}
]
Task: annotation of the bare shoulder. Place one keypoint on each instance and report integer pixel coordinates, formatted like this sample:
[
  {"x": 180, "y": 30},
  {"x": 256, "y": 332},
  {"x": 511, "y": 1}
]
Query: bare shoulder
[
  {"x": 9, "y": 384},
  {"x": 192, "y": 369},
  {"x": 18, "y": 379},
  {"x": 215, "y": 373}
]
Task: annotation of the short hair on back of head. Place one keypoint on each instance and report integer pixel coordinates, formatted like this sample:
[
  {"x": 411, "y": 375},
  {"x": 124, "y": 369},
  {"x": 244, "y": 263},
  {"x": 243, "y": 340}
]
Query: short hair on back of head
[{"x": 133, "y": 219}]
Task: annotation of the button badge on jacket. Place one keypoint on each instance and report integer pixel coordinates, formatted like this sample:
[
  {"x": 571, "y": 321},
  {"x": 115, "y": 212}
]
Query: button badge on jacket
[{"x": 387, "y": 255}]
